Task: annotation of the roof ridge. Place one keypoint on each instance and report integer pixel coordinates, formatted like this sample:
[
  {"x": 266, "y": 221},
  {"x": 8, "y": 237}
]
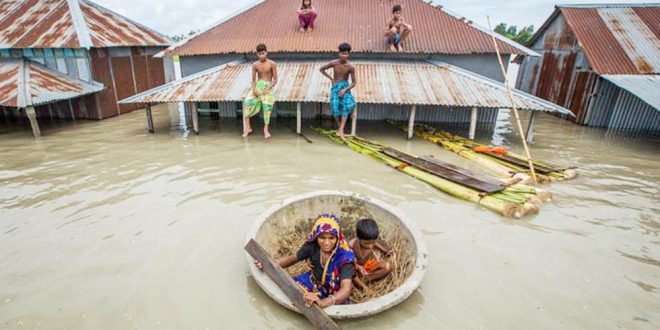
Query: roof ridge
[
  {"x": 210, "y": 27},
  {"x": 482, "y": 29},
  {"x": 93, "y": 4},
  {"x": 607, "y": 5},
  {"x": 79, "y": 24}
]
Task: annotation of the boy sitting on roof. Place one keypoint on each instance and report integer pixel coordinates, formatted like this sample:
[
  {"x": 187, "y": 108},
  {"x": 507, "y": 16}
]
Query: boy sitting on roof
[
  {"x": 342, "y": 102},
  {"x": 260, "y": 97},
  {"x": 397, "y": 29},
  {"x": 368, "y": 268}
]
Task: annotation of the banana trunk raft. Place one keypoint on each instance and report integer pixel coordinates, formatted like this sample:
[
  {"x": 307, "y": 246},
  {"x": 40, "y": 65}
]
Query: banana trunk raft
[
  {"x": 503, "y": 166},
  {"x": 505, "y": 198}
]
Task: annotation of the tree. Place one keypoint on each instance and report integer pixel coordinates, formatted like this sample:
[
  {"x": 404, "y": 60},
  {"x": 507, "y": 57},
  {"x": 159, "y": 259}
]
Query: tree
[
  {"x": 182, "y": 36},
  {"x": 522, "y": 37}
]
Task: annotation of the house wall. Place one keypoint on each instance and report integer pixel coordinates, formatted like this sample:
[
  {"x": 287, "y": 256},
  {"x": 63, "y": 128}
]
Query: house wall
[
  {"x": 124, "y": 71},
  {"x": 562, "y": 75},
  {"x": 376, "y": 112},
  {"x": 483, "y": 64}
]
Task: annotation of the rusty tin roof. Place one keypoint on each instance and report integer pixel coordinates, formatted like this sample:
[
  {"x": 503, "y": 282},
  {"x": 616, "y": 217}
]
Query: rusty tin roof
[
  {"x": 616, "y": 39},
  {"x": 380, "y": 82},
  {"x": 25, "y": 83},
  {"x": 361, "y": 23},
  {"x": 69, "y": 24}
]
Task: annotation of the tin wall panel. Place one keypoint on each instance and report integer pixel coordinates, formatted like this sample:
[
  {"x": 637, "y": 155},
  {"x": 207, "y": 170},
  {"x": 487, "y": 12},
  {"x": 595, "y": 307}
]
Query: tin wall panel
[
  {"x": 122, "y": 72},
  {"x": 101, "y": 72}
]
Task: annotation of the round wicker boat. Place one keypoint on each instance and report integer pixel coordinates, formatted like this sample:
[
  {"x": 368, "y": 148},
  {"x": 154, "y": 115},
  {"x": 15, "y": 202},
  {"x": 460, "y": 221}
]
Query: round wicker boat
[{"x": 280, "y": 219}]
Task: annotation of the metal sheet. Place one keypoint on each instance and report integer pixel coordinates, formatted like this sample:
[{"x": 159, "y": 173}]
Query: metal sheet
[
  {"x": 18, "y": 76},
  {"x": 379, "y": 82},
  {"x": 51, "y": 24},
  {"x": 615, "y": 39},
  {"x": 644, "y": 87},
  {"x": 435, "y": 31}
]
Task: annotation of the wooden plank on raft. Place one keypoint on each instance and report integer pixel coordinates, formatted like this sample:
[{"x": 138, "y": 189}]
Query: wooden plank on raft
[
  {"x": 463, "y": 171},
  {"x": 445, "y": 172},
  {"x": 522, "y": 163},
  {"x": 314, "y": 313}
]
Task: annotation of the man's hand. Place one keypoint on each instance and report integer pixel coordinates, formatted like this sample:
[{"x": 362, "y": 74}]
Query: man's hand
[
  {"x": 255, "y": 91},
  {"x": 342, "y": 92}
]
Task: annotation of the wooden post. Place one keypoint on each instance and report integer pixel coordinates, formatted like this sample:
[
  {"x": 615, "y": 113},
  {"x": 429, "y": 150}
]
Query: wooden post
[
  {"x": 298, "y": 118},
  {"x": 150, "y": 119},
  {"x": 411, "y": 122},
  {"x": 186, "y": 106},
  {"x": 529, "y": 136},
  {"x": 195, "y": 118},
  {"x": 32, "y": 116},
  {"x": 473, "y": 123},
  {"x": 314, "y": 313},
  {"x": 354, "y": 121}
]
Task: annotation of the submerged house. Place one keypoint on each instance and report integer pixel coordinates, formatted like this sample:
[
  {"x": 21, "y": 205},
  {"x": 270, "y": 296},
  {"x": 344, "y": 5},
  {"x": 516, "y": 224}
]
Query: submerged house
[
  {"x": 74, "y": 59},
  {"x": 448, "y": 72},
  {"x": 600, "y": 61}
]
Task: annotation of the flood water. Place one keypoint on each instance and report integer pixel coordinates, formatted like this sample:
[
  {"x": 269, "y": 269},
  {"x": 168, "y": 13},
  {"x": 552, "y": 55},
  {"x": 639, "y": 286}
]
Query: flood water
[{"x": 103, "y": 225}]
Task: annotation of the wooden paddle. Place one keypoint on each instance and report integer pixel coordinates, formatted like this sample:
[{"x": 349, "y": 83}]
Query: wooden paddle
[{"x": 314, "y": 313}]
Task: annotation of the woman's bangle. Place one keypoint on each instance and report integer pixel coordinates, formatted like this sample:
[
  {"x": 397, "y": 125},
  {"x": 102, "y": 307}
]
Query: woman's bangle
[{"x": 333, "y": 299}]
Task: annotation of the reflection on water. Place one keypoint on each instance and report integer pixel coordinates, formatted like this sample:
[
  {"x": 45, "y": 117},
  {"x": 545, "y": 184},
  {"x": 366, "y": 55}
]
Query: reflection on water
[{"x": 103, "y": 225}]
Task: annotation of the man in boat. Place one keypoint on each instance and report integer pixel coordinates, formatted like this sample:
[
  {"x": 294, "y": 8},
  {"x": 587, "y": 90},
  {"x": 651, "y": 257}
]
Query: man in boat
[
  {"x": 330, "y": 280},
  {"x": 342, "y": 102},
  {"x": 368, "y": 268},
  {"x": 260, "y": 97}
]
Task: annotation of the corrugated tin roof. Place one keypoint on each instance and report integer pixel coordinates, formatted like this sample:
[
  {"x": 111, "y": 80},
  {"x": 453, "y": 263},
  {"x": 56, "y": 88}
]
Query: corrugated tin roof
[
  {"x": 381, "y": 82},
  {"x": 25, "y": 83},
  {"x": 361, "y": 23},
  {"x": 645, "y": 87},
  {"x": 617, "y": 39},
  {"x": 69, "y": 24}
]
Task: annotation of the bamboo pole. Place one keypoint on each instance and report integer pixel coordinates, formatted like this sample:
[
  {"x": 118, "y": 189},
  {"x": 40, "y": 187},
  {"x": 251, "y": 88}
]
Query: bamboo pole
[{"x": 513, "y": 103}]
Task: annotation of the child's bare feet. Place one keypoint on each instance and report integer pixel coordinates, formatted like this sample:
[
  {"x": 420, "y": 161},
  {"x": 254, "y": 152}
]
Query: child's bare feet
[
  {"x": 342, "y": 136},
  {"x": 310, "y": 30},
  {"x": 393, "y": 48},
  {"x": 246, "y": 133},
  {"x": 266, "y": 133},
  {"x": 399, "y": 47},
  {"x": 302, "y": 30}
]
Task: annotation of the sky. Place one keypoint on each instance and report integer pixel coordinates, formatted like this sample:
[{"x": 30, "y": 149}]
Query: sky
[{"x": 174, "y": 17}]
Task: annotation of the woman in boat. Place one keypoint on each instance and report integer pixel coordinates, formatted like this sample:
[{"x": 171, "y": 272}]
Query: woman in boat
[{"x": 330, "y": 280}]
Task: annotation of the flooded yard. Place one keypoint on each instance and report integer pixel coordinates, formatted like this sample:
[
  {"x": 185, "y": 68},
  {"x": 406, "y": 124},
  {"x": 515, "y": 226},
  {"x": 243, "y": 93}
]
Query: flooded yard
[{"x": 103, "y": 225}]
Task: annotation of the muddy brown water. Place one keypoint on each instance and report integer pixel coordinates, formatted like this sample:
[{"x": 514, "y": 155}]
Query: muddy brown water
[{"x": 105, "y": 226}]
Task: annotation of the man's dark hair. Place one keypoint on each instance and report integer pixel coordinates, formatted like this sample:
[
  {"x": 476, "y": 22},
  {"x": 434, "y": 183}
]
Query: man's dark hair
[
  {"x": 367, "y": 229},
  {"x": 344, "y": 47},
  {"x": 396, "y": 8},
  {"x": 261, "y": 48}
]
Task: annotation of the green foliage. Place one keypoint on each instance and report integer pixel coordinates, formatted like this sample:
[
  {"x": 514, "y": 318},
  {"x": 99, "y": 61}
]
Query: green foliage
[
  {"x": 182, "y": 36},
  {"x": 523, "y": 37}
]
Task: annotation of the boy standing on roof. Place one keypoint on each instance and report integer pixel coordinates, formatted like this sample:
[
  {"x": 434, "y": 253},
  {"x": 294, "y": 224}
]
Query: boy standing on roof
[
  {"x": 397, "y": 29},
  {"x": 342, "y": 102},
  {"x": 260, "y": 97}
]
